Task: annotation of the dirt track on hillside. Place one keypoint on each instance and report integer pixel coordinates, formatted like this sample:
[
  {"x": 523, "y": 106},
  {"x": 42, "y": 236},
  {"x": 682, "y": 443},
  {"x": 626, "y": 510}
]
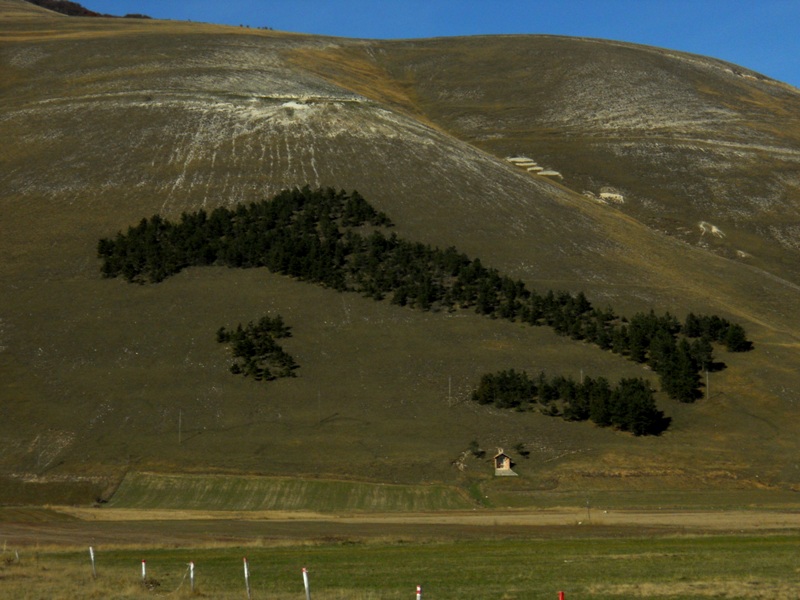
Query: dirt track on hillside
[{"x": 118, "y": 527}]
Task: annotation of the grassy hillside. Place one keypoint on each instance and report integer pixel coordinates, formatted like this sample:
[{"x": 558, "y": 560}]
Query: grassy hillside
[
  {"x": 115, "y": 120},
  {"x": 684, "y": 139}
]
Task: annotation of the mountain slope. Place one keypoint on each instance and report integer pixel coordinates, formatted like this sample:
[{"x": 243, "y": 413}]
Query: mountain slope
[
  {"x": 684, "y": 138},
  {"x": 115, "y": 121}
]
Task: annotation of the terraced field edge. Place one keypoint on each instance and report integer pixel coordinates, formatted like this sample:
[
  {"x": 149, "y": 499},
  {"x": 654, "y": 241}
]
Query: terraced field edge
[{"x": 226, "y": 492}]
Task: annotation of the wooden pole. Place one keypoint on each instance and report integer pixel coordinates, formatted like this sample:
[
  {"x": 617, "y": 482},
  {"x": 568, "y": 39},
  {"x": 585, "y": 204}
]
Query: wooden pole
[
  {"x": 588, "y": 510},
  {"x": 449, "y": 391}
]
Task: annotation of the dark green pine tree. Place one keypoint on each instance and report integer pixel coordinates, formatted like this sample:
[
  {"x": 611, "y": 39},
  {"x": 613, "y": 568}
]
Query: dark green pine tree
[
  {"x": 662, "y": 351},
  {"x": 600, "y": 403},
  {"x": 637, "y": 343},
  {"x": 681, "y": 379},
  {"x": 735, "y": 339},
  {"x": 692, "y": 327},
  {"x": 703, "y": 353},
  {"x": 639, "y": 413}
]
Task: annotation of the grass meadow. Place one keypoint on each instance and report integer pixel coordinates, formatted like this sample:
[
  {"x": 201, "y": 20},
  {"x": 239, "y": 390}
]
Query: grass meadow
[
  {"x": 679, "y": 567},
  {"x": 200, "y": 492},
  {"x": 209, "y": 492}
]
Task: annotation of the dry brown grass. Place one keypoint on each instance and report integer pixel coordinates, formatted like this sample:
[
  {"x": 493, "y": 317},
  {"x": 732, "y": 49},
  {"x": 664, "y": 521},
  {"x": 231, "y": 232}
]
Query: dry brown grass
[
  {"x": 51, "y": 577},
  {"x": 701, "y": 589},
  {"x": 135, "y": 514},
  {"x": 38, "y": 577},
  {"x": 686, "y": 520},
  {"x": 24, "y": 22},
  {"x": 350, "y": 68}
]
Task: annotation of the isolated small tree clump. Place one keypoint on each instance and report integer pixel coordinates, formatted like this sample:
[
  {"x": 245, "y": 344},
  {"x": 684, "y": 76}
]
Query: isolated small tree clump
[
  {"x": 475, "y": 449},
  {"x": 257, "y": 353},
  {"x": 520, "y": 449}
]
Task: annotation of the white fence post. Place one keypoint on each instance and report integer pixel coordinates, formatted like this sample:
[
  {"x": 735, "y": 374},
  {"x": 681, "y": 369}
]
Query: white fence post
[
  {"x": 305, "y": 583},
  {"x": 246, "y": 577},
  {"x": 144, "y": 571},
  {"x": 191, "y": 575},
  {"x": 91, "y": 556}
]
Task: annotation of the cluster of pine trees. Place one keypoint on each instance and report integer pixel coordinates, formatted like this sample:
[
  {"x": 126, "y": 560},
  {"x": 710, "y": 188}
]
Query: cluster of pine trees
[
  {"x": 337, "y": 240},
  {"x": 628, "y": 406},
  {"x": 424, "y": 277},
  {"x": 259, "y": 355},
  {"x": 299, "y": 233}
]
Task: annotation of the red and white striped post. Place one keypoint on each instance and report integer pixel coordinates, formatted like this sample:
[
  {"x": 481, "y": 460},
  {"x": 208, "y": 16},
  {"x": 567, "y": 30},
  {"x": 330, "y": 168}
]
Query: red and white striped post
[
  {"x": 561, "y": 596},
  {"x": 305, "y": 583},
  {"x": 246, "y": 576},
  {"x": 419, "y": 592}
]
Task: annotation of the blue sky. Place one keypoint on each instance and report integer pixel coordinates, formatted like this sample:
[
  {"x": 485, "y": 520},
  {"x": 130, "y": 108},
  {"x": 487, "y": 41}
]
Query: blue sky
[{"x": 763, "y": 35}]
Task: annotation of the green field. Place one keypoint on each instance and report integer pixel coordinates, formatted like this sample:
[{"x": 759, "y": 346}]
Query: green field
[
  {"x": 158, "y": 491},
  {"x": 584, "y": 568},
  {"x": 209, "y": 492}
]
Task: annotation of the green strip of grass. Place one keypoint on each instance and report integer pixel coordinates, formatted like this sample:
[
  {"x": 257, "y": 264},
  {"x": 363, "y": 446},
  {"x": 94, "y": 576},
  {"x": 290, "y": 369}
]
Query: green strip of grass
[
  {"x": 598, "y": 569},
  {"x": 212, "y": 492}
]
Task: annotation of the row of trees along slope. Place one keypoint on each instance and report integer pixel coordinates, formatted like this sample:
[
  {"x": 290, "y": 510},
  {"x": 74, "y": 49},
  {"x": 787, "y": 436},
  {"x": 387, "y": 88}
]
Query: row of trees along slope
[
  {"x": 340, "y": 241},
  {"x": 628, "y": 406}
]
